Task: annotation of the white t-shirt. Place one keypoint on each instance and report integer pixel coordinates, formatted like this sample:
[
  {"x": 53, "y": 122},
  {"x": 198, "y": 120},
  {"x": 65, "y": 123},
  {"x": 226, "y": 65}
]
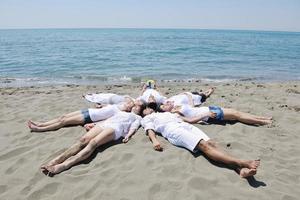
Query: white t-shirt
[
  {"x": 189, "y": 111},
  {"x": 159, "y": 121},
  {"x": 106, "y": 98},
  {"x": 183, "y": 99},
  {"x": 157, "y": 96}
]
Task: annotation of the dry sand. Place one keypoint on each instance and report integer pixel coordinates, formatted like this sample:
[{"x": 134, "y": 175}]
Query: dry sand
[{"x": 135, "y": 170}]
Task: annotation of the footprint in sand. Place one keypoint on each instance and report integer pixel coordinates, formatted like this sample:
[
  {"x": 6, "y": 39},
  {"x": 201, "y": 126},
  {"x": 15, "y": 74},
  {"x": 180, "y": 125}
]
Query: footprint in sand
[
  {"x": 15, "y": 166},
  {"x": 127, "y": 157},
  {"x": 46, "y": 190},
  {"x": 154, "y": 190},
  {"x": 13, "y": 153},
  {"x": 200, "y": 183},
  {"x": 3, "y": 188}
]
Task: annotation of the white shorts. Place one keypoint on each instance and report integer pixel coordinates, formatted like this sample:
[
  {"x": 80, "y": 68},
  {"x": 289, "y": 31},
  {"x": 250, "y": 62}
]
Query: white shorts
[{"x": 185, "y": 135}]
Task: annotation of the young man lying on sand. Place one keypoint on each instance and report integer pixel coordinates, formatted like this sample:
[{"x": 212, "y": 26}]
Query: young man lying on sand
[
  {"x": 214, "y": 113},
  {"x": 185, "y": 135}
]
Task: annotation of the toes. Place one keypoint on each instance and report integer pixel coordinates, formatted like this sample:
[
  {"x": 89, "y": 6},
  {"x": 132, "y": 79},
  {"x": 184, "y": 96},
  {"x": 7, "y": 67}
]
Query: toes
[
  {"x": 44, "y": 170},
  {"x": 29, "y": 124},
  {"x": 244, "y": 173}
]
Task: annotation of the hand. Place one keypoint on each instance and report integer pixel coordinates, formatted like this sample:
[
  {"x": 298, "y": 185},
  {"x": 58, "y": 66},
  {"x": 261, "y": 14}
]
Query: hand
[
  {"x": 212, "y": 114},
  {"x": 157, "y": 146},
  {"x": 89, "y": 126},
  {"x": 125, "y": 140},
  {"x": 98, "y": 105}
]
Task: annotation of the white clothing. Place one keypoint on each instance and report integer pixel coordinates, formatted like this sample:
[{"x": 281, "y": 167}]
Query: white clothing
[
  {"x": 98, "y": 114},
  {"x": 157, "y": 96},
  {"x": 189, "y": 111},
  {"x": 183, "y": 99},
  {"x": 106, "y": 98},
  {"x": 174, "y": 129},
  {"x": 122, "y": 122}
]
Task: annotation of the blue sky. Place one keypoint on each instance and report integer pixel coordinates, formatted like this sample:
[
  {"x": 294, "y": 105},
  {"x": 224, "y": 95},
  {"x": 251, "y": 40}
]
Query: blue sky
[{"x": 281, "y": 15}]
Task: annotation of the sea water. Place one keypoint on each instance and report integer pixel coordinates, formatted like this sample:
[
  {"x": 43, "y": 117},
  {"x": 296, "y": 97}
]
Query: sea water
[{"x": 95, "y": 56}]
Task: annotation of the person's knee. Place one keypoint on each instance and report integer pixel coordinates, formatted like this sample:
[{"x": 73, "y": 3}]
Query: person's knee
[
  {"x": 83, "y": 141},
  {"x": 212, "y": 143},
  {"x": 236, "y": 113},
  {"x": 204, "y": 146},
  {"x": 92, "y": 144},
  {"x": 63, "y": 119}
]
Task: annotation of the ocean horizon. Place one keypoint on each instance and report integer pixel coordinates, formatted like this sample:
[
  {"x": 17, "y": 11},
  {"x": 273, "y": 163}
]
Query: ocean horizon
[{"x": 112, "y": 55}]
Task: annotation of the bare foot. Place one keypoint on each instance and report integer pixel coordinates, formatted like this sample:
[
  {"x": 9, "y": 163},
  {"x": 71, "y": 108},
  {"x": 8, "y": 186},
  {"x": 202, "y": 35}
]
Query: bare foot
[
  {"x": 46, "y": 169},
  {"x": 267, "y": 122},
  {"x": 268, "y": 118},
  {"x": 32, "y": 126},
  {"x": 52, "y": 170},
  {"x": 251, "y": 164},
  {"x": 34, "y": 123},
  {"x": 29, "y": 124},
  {"x": 98, "y": 105},
  {"x": 245, "y": 172},
  {"x": 209, "y": 91}
]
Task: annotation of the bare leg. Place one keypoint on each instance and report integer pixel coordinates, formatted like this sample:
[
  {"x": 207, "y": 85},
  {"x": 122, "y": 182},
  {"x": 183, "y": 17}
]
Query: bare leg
[
  {"x": 214, "y": 153},
  {"x": 74, "y": 149},
  {"x": 42, "y": 124},
  {"x": 105, "y": 136},
  {"x": 265, "y": 118},
  {"x": 231, "y": 114},
  {"x": 209, "y": 92},
  {"x": 62, "y": 122}
]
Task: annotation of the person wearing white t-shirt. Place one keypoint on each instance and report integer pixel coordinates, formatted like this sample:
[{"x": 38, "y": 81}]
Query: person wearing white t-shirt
[
  {"x": 193, "y": 99},
  {"x": 185, "y": 135},
  {"x": 122, "y": 124},
  {"x": 149, "y": 95},
  {"x": 81, "y": 117},
  {"x": 214, "y": 113},
  {"x": 107, "y": 98}
]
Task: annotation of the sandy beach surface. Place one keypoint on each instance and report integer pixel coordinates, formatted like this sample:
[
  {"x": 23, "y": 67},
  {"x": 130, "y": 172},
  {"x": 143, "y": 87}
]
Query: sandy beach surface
[{"x": 135, "y": 170}]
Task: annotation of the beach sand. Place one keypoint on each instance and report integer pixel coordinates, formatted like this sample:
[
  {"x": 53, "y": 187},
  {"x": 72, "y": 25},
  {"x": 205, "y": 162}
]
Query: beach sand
[{"x": 135, "y": 170}]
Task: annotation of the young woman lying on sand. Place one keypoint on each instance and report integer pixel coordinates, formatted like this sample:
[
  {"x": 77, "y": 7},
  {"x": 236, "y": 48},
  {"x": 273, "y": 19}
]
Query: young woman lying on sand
[
  {"x": 122, "y": 124},
  {"x": 83, "y": 117},
  {"x": 182, "y": 134},
  {"x": 189, "y": 98},
  {"x": 103, "y": 99},
  {"x": 149, "y": 93},
  {"x": 193, "y": 115}
]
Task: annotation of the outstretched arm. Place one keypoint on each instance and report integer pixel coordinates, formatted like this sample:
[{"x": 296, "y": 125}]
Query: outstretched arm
[
  {"x": 155, "y": 142},
  {"x": 190, "y": 98},
  {"x": 198, "y": 118},
  {"x": 133, "y": 128},
  {"x": 129, "y": 134}
]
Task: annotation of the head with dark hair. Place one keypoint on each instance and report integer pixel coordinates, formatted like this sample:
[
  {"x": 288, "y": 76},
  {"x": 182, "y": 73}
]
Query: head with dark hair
[
  {"x": 153, "y": 105},
  {"x": 138, "y": 109},
  {"x": 166, "y": 107},
  {"x": 147, "y": 111}
]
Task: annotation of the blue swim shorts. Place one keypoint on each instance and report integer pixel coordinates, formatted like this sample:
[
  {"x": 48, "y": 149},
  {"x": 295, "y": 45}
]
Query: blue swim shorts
[
  {"x": 86, "y": 116},
  {"x": 218, "y": 111}
]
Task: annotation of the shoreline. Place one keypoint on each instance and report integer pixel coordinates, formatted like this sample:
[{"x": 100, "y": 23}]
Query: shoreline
[{"x": 24, "y": 83}]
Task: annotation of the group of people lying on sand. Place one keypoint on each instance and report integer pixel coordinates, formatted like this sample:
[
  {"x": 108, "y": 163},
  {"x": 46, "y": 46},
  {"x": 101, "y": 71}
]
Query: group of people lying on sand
[{"x": 120, "y": 116}]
